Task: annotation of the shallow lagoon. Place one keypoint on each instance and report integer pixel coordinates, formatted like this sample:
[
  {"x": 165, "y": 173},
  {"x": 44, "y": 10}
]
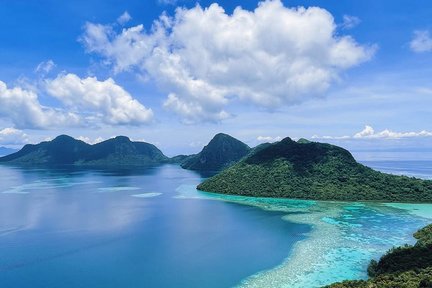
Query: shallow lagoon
[{"x": 151, "y": 228}]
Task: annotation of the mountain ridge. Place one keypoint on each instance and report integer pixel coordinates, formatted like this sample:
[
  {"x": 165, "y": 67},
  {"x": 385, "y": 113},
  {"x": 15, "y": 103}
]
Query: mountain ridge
[
  {"x": 65, "y": 150},
  {"x": 313, "y": 170},
  {"x": 222, "y": 151}
]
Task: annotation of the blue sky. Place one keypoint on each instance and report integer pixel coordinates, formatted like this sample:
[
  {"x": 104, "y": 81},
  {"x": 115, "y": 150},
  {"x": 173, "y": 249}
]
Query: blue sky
[{"x": 354, "y": 73}]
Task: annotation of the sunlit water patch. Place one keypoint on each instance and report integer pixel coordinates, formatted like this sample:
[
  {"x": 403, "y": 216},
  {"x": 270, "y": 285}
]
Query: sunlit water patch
[
  {"x": 93, "y": 231},
  {"x": 147, "y": 195},
  {"x": 117, "y": 189},
  {"x": 344, "y": 238}
]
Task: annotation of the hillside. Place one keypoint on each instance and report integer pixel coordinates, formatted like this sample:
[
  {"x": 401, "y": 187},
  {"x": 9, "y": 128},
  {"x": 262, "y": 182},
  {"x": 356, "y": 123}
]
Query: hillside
[
  {"x": 402, "y": 267},
  {"x": 6, "y": 151},
  {"x": 65, "y": 150},
  {"x": 221, "y": 152},
  {"x": 311, "y": 170}
]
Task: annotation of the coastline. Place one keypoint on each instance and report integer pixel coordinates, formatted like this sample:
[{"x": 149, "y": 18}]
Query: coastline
[{"x": 337, "y": 234}]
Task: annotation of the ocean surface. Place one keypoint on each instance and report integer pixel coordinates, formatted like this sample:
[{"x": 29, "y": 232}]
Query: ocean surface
[{"x": 150, "y": 227}]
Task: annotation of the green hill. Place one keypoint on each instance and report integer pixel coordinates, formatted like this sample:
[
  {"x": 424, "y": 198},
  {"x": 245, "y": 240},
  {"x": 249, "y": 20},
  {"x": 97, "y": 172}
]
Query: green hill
[
  {"x": 221, "y": 152},
  {"x": 65, "y": 150},
  {"x": 311, "y": 170},
  {"x": 401, "y": 267}
]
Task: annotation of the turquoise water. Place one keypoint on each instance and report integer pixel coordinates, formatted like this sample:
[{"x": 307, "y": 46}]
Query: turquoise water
[{"x": 152, "y": 228}]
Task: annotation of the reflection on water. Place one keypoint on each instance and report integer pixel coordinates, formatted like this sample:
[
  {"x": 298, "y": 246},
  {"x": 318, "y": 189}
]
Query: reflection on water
[
  {"x": 68, "y": 227},
  {"x": 150, "y": 227}
]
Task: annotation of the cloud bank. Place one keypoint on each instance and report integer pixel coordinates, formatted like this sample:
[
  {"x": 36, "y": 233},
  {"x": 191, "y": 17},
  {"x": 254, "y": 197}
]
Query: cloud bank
[
  {"x": 12, "y": 136},
  {"x": 268, "y": 139},
  {"x": 84, "y": 101},
  {"x": 204, "y": 58},
  {"x": 104, "y": 99},
  {"x": 369, "y": 133},
  {"x": 23, "y": 109}
]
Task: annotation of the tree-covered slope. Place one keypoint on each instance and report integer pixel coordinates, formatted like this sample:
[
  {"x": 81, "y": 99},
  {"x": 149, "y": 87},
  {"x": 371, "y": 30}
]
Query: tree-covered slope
[
  {"x": 221, "y": 152},
  {"x": 65, "y": 150},
  {"x": 311, "y": 170},
  {"x": 401, "y": 267}
]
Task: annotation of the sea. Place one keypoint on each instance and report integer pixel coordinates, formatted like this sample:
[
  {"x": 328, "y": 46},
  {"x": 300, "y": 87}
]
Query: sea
[{"x": 149, "y": 227}]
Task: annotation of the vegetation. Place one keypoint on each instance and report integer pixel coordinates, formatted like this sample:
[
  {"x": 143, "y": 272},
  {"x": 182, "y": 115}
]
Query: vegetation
[
  {"x": 221, "y": 152},
  {"x": 311, "y": 170},
  {"x": 401, "y": 267},
  {"x": 65, "y": 150}
]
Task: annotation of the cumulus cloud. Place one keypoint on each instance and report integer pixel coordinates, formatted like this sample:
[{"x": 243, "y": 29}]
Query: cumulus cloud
[
  {"x": 350, "y": 22},
  {"x": 268, "y": 138},
  {"x": 45, "y": 67},
  {"x": 421, "y": 42},
  {"x": 369, "y": 133},
  {"x": 12, "y": 136},
  {"x": 124, "y": 18},
  {"x": 105, "y": 99},
  {"x": 23, "y": 109},
  {"x": 205, "y": 58}
]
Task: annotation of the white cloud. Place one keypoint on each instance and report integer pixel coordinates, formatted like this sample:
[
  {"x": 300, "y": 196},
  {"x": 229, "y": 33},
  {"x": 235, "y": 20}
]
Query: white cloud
[
  {"x": 124, "y": 18},
  {"x": 104, "y": 99},
  {"x": 268, "y": 138},
  {"x": 168, "y": 2},
  {"x": 45, "y": 67},
  {"x": 23, "y": 109},
  {"x": 350, "y": 22},
  {"x": 421, "y": 42},
  {"x": 205, "y": 58},
  {"x": 12, "y": 136},
  {"x": 91, "y": 140},
  {"x": 369, "y": 133}
]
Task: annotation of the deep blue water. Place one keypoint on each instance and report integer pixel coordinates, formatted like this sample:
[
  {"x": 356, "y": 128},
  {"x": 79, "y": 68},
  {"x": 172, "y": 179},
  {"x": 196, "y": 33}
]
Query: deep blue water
[
  {"x": 151, "y": 228},
  {"x": 83, "y": 228}
]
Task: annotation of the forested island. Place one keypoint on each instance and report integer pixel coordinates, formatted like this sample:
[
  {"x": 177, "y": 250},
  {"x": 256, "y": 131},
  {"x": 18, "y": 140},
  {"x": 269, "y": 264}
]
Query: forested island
[
  {"x": 65, "y": 150},
  {"x": 288, "y": 169},
  {"x": 312, "y": 170},
  {"x": 402, "y": 267}
]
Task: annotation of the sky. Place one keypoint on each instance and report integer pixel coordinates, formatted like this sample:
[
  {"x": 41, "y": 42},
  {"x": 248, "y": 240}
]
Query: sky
[{"x": 174, "y": 73}]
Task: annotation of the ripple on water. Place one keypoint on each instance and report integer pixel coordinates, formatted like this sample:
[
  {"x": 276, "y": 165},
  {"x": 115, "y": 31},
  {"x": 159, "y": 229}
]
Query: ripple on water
[
  {"x": 147, "y": 195},
  {"x": 118, "y": 189}
]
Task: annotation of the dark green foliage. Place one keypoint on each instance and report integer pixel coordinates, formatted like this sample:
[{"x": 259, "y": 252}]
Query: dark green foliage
[
  {"x": 372, "y": 268},
  {"x": 424, "y": 235},
  {"x": 65, "y": 150},
  {"x": 401, "y": 267},
  {"x": 180, "y": 158},
  {"x": 221, "y": 152},
  {"x": 311, "y": 170},
  {"x": 303, "y": 141}
]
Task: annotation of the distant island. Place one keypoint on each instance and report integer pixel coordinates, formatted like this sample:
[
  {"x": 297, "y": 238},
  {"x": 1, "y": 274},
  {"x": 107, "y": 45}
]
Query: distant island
[
  {"x": 406, "y": 266},
  {"x": 65, "y": 150},
  {"x": 288, "y": 169},
  {"x": 312, "y": 170},
  {"x": 221, "y": 152}
]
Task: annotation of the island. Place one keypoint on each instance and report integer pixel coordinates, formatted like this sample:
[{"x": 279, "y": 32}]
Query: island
[
  {"x": 65, "y": 150},
  {"x": 404, "y": 267},
  {"x": 221, "y": 152},
  {"x": 313, "y": 170}
]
